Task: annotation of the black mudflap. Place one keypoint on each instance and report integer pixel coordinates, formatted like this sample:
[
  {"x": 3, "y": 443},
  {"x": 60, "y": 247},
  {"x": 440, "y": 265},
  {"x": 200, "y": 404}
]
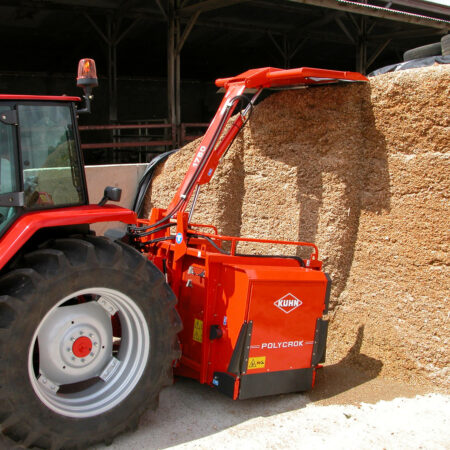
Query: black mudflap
[
  {"x": 320, "y": 336},
  {"x": 224, "y": 383},
  {"x": 273, "y": 383},
  {"x": 320, "y": 342}
]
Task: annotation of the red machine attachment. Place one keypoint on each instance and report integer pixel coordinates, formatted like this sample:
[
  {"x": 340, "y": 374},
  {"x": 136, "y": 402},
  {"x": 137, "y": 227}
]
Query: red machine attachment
[
  {"x": 254, "y": 325},
  {"x": 270, "y": 77}
]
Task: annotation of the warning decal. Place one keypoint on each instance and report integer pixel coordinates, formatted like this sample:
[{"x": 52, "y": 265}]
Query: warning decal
[
  {"x": 257, "y": 362},
  {"x": 198, "y": 330}
]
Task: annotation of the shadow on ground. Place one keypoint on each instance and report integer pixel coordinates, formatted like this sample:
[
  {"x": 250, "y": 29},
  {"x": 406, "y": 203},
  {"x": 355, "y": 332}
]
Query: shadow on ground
[
  {"x": 354, "y": 370},
  {"x": 189, "y": 411}
]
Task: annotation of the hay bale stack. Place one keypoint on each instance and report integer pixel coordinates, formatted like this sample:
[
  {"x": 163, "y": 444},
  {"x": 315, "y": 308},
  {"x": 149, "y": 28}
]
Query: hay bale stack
[{"x": 363, "y": 171}]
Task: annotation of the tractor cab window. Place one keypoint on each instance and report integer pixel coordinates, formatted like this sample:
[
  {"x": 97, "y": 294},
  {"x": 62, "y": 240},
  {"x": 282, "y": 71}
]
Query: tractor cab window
[
  {"x": 8, "y": 176},
  {"x": 50, "y": 162}
]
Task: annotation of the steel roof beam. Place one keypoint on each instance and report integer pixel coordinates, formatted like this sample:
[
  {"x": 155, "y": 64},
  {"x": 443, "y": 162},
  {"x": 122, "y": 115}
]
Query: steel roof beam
[
  {"x": 161, "y": 8},
  {"x": 275, "y": 29},
  {"x": 347, "y": 32},
  {"x": 187, "y": 31},
  {"x": 207, "y": 5},
  {"x": 423, "y": 5},
  {"x": 377, "y": 11},
  {"x": 377, "y": 52}
]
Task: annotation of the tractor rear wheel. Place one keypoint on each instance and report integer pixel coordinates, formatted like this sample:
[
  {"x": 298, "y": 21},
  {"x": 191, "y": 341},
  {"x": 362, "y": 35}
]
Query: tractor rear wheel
[{"x": 88, "y": 335}]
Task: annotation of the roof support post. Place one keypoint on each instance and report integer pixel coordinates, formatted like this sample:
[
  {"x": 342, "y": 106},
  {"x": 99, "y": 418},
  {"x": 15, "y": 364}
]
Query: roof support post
[
  {"x": 178, "y": 80},
  {"x": 175, "y": 43},
  {"x": 361, "y": 47},
  {"x": 112, "y": 37},
  {"x": 112, "y": 70},
  {"x": 171, "y": 61}
]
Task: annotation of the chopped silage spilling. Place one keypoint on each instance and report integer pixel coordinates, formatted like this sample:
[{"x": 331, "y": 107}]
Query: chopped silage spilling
[{"x": 362, "y": 170}]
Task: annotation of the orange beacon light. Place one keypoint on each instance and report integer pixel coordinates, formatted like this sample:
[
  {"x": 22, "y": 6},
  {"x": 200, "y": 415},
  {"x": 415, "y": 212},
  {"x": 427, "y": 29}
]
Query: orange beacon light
[{"x": 87, "y": 73}]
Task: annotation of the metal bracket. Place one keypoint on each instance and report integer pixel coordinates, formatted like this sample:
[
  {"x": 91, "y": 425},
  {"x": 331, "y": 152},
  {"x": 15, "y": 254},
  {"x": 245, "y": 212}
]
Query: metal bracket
[
  {"x": 110, "y": 369},
  {"x": 248, "y": 338},
  {"x": 107, "y": 306},
  {"x": 48, "y": 384},
  {"x": 12, "y": 199},
  {"x": 9, "y": 117}
]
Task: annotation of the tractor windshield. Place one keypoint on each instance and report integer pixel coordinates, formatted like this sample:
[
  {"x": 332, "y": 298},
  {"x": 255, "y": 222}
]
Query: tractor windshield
[
  {"x": 51, "y": 167},
  {"x": 8, "y": 177}
]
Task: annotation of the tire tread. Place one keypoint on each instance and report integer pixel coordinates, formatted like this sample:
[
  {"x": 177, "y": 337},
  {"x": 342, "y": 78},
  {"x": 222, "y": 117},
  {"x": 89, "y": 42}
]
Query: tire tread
[{"x": 69, "y": 255}]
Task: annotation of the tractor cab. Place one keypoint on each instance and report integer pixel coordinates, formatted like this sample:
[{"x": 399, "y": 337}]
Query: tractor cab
[{"x": 40, "y": 159}]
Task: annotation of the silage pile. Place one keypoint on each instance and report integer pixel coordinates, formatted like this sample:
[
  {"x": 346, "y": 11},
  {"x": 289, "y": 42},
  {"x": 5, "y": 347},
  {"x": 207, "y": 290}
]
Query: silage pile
[{"x": 362, "y": 170}]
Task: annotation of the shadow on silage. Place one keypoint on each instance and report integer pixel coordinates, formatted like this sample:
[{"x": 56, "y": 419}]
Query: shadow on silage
[{"x": 330, "y": 138}]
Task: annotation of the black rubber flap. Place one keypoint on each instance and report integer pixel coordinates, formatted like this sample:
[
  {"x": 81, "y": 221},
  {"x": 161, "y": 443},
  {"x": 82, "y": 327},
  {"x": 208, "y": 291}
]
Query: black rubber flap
[
  {"x": 320, "y": 342},
  {"x": 273, "y": 383},
  {"x": 224, "y": 383}
]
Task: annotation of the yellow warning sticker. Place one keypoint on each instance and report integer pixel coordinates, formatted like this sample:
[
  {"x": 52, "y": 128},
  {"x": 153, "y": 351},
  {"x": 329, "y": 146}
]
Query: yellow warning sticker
[
  {"x": 198, "y": 330},
  {"x": 258, "y": 362}
]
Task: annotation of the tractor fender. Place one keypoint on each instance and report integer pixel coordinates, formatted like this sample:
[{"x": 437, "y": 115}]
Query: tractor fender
[{"x": 28, "y": 224}]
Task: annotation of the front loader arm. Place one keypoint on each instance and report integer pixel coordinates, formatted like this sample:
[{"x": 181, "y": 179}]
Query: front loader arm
[{"x": 212, "y": 147}]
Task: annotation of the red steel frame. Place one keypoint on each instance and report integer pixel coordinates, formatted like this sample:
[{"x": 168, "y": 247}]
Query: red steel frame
[{"x": 222, "y": 291}]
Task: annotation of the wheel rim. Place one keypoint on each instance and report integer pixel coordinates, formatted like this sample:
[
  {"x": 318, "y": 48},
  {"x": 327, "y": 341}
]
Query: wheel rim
[{"x": 88, "y": 352}]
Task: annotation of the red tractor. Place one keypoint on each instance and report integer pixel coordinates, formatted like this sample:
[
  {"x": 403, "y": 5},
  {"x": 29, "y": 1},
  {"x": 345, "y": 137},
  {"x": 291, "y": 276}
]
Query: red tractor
[{"x": 91, "y": 329}]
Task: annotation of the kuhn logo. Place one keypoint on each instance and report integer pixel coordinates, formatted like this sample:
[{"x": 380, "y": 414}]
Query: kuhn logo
[{"x": 288, "y": 303}]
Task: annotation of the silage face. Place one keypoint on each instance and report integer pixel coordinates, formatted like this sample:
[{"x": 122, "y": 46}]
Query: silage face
[{"x": 362, "y": 171}]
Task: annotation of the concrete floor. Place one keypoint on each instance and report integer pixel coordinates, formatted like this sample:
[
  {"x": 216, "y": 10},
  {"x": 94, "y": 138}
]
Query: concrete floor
[{"x": 347, "y": 409}]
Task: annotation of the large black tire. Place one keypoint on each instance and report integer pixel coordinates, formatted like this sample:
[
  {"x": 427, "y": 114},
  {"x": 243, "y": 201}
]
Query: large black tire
[
  {"x": 31, "y": 415},
  {"x": 445, "y": 44},
  {"x": 423, "y": 52}
]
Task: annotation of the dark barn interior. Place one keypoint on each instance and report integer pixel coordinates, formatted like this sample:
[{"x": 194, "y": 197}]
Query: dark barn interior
[{"x": 157, "y": 59}]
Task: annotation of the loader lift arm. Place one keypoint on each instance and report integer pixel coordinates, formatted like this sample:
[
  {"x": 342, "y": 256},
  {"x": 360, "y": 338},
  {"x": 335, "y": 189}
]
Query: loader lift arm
[{"x": 217, "y": 139}]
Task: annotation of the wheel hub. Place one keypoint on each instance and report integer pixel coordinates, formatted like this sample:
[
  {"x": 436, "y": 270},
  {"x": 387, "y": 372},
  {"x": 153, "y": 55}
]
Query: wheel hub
[
  {"x": 82, "y": 347},
  {"x": 75, "y": 343}
]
